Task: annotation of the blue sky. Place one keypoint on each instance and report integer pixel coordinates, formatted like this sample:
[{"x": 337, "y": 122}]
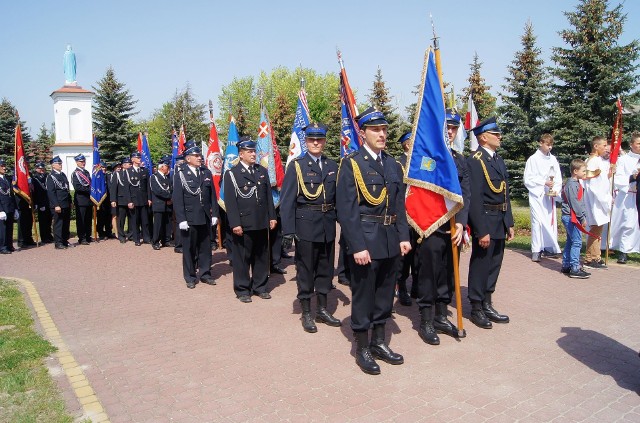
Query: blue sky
[{"x": 159, "y": 46}]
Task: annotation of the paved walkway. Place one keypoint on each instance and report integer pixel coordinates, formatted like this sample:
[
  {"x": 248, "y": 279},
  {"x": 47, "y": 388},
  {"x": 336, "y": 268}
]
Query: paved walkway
[{"x": 154, "y": 351}]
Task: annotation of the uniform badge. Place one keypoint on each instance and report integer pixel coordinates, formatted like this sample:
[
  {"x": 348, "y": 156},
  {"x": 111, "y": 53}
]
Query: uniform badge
[
  {"x": 312, "y": 185},
  {"x": 245, "y": 188}
]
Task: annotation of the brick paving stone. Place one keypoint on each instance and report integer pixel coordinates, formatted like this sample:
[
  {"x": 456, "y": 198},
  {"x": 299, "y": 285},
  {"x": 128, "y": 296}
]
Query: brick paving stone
[{"x": 153, "y": 350}]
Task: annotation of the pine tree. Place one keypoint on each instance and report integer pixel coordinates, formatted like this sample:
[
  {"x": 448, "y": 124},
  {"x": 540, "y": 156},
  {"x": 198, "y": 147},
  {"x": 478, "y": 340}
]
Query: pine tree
[
  {"x": 591, "y": 71},
  {"x": 112, "y": 117},
  {"x": 380, "y": 98},
  {"x": 40, "y": 148},
  {"x": 485, "y": 103},
  {"x": 8, "y": 122},
  {"x": 524, "y": 109}
]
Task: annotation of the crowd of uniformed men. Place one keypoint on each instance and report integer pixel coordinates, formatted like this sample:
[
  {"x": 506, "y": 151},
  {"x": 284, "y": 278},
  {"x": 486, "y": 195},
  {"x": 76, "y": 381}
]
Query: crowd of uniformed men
[{"x": 365, "y": 194}]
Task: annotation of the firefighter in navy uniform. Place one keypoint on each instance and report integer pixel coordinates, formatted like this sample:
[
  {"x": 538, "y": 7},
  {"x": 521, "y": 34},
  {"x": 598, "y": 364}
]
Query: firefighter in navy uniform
[
  {"x": 491, "y": 222},
  {"x": 60, "y": 203},
  {"x": 103, "y": 214},
  {"x": 138, "y": 198},
  {"x": 196, "y": 206},
  {"x": 161, "y": 203},
  {"x": 435, "y": 281},
  {"x": 120, "y": 200},
  {"x": 8, "y": 211},
  {"x": 307, "y": 208},
  {"x": 251, "y": 215},
  {"x": 408, "y": 264},
  {"x": 81, "y": 181},
  {"x": 371, "y": 213},
  {"x": 41, "y": 202}
]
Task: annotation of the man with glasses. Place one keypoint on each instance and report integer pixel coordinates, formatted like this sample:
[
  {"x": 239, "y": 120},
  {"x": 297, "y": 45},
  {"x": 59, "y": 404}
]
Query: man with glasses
[{"x": 491, "y": 222}]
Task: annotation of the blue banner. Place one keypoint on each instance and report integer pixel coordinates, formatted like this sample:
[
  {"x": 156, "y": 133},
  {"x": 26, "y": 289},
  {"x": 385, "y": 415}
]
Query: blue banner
[
  {"x": 174, "y": 151},
  {"x": 98, "y": 181},
  {"x": 146, "y": 155},
  {"x": 349, "y": 135},
  {"x": 230, "y": 155}
]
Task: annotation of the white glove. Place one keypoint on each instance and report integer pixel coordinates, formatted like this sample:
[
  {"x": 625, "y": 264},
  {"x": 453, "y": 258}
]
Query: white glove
[
  {"x": 16, "y": 215},
  {"x": 3, "y": 216},
  {"x": 214, "y": 220},
  {"x": 42, "y": 208},
  {"x": 183, "y": 226}
]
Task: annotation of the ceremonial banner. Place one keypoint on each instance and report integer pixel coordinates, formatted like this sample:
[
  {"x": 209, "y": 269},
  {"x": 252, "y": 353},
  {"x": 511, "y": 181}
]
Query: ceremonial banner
[
  {"x": 297, "y": 145},
  {"x": 146, "y": 155},
  {"x": 21, "y": 174},
  {"x": 230, "y": 156},
  {"x": 349, "y": 139},
  {"x": 433, "y": 190},
  {"x": 98, "y": 181},
  {"x": 616, "y": 135},
  {"x": 213, "y": 156},
  {"x": 265, "y": 154},
  {"x": 458, "y": 141},
  {"x": 174, "y": 150},
  {"x": 182, "y": 140},
  {"x": 471, "y": 120},
  {"x": 277, "y": 159}
]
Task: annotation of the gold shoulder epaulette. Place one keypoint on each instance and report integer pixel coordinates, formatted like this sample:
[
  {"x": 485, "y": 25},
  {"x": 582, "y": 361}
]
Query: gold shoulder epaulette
[
  {"x": 478, "y": 155},
  {"x": 352, "y": 154}
]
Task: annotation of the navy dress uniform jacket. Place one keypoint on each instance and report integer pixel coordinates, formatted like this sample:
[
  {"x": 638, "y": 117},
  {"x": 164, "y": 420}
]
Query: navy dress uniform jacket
[
  {"x": 253, "y": 213},
  {"x": 484, "y": 218},
  {"x": 58, "y": 190},
  {"x": 382, "y": 241},
  {"x": 136, "y": 186},
  {"x": 8, "y": 202},
  {"x": 81, "y": 181},
  {"x": 309, "y": 224},
  {"x": 196, "y": 208},
  {"x": 40, "y": 197},
  {"x": 161, "y": 190}
]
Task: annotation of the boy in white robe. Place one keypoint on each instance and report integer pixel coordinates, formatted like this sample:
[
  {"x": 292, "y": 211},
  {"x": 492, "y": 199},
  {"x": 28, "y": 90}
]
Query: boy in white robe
[
  {"x": 543, "y": 179},
  {"x": 625, "y": 236}
]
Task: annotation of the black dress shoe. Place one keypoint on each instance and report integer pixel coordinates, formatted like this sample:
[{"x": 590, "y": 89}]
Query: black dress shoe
[
  {"x": 84, "y": 242},
  {"x": 264, "y": 295},
  {"x": 493, "y": 315},
  {"x": 178, "y": 250},
  {"x": 138, "y": 243},
  {"x": 622, "y": 258},
  {"x": 123, "y": 241},
  {"x": 479, "y": 319},
  {"x": 208, "y": 280},
  {"x": 244, "y": 298},
  {"x": 343, "y": 281},
  {"x": 60, "y": 247},
  {"x": 156, "y": 246},
  {"x": 5, "y": 252},
  {"x": 404, "y": 298},
  {"x": 278, "y": 269},
  {"x": 286, "y": 256},
  {"x": 191, "y": 285}
]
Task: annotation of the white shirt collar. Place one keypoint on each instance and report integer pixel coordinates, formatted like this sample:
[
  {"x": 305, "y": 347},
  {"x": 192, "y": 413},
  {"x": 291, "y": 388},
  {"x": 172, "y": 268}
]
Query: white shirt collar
[
  {"x": 488, "y": 150},
  {"x": 374, "y": 155}
]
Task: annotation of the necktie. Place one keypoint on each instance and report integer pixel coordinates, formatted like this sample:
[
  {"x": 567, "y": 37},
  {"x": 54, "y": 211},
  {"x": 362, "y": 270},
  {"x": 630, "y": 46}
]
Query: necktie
[
  {"x": 379, "y": 160},
  {"x": 319, "y": 163}
]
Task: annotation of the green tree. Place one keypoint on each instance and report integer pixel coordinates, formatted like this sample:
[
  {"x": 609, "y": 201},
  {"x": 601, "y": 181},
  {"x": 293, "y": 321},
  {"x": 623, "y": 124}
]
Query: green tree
[
  {"x": 380, "y": 98},
  {"x": 40, "y": 148},
  {"x": 485, "y": 103},
  {"x": 524, "y": 109},
  {"x": 112, "y": 117},
  {"x": 8, "y": 122},
  {"x": 591, "y": 71}
]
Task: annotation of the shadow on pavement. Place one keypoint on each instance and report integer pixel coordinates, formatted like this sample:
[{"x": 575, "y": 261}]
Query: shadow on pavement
[{"x": 603, "y": 355}]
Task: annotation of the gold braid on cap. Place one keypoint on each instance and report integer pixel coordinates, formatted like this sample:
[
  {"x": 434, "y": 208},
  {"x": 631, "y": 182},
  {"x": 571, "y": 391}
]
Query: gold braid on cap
[
  {"x": 503, "y": 184},
  {"x": 362, "y": 187},
  {"x": 301, "y": 186}
]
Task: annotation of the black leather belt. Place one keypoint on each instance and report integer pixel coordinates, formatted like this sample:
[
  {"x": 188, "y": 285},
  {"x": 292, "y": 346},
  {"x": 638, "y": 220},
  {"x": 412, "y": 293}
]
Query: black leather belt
[
  {"x": 385, "y": 220},
  {"x": 496, "y": 207},
  {"x": 319, "y": 207}
]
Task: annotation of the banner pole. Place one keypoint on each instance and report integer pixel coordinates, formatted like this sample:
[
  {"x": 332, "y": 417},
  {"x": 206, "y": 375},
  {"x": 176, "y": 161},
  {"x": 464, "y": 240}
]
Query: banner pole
[{"x": 456, "y": 280}]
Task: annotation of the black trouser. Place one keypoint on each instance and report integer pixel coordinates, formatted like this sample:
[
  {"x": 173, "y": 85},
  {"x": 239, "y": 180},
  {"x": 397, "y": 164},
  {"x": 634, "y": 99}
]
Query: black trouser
[
  {"x": 103, "y": 220},
  {"x": 161, "y": 227},
  {"x": 408, "y": 264},
  {"x": 250, "y": 256},
  {"x": 314, "y": 267},
  {"x": 25, "y": 223},
  {"x": 435, "y": 274},
  {"x": 484, "y": 268},
  {"x": 140, "y": 219},
  {"x": 196, "y": 252},
  {"x": 61, "y": 223},
  {"x": 44, "y": 224},
  {"x": 275, "y": 242},
  {"x": 343, "y": 262},
  {"x": 372, "y": 289},
  {"x": 83, "y": 222},
  {"x": 6, "y": 233},
  {"x": 124, "y": 214}
]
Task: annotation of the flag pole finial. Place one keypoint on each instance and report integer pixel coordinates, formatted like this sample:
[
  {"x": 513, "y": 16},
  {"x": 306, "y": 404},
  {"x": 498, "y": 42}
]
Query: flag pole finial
[
  {"x": 339, "y": 54},
  {"x": 436, "y": 43},
  {"x": 302, "y": 83}
]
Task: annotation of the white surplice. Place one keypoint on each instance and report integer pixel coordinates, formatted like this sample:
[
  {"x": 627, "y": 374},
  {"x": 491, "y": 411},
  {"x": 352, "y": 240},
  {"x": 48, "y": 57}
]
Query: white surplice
[
  {"x": 597, "y": 192},
  {"x": 625, "y": 235},
  {"x": 544, "y": 225}
]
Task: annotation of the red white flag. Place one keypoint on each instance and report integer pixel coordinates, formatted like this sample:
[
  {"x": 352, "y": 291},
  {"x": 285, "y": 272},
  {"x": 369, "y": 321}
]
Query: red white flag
[
  {"x": 214, "y": 157},
  {"x": 616, "y": 134},
  {"x": 21, "y": 182},
  {"x": 471, "y": 121},
  {"x": 277, "y": 158},
  {"x": 182, "y": 140},
  {"x": 140, "y": 142}
]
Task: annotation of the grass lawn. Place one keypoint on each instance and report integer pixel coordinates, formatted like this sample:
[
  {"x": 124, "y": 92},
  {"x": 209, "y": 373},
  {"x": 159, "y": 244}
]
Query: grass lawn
[{"x": 27, "y": 392}]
